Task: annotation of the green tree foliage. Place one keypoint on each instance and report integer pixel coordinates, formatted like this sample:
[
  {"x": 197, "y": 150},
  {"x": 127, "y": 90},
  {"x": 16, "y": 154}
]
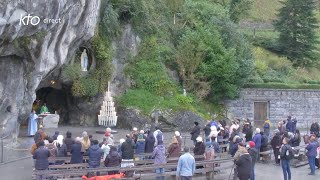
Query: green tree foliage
[
  {"x": 297, "y": 25},
  {"x": 239, "y": 9}
]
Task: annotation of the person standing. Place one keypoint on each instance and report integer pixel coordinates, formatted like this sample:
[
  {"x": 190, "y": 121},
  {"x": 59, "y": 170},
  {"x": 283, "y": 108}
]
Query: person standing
[
  {"x": 157, "y": 134},
  {"x": 267, "y": 127},
  {"x": 159, "y": 156},
  {"x": 69, "y": 141},
  {"x": 134, "y": 134},
  {"x": 254, "y": 156},
  {"x": 41, "y": 156},
  {"x": 113, "y": 160},
  {"x": 179, "y": 138},
  {"x": 257, "y": 139},
  {"x": 276, "y": 144},
  {"x": 186, "y": 165},
  {"x": 127, "y": 149},
  {"x": 32, "y": 124},
  {"x": 209, "y": 155},
  {"x": 289, "y": 125},
  {"x": 195, "y": 132},
  {"x": 174, "y": 148},
  {"x": 207, "y": 131},
  {"x": 76, "y": 154},
  {"x": 105, "y": 149},
  {"x": 315, "y": 128},
  {"x": 44, "y": 109},
  {"x": 244, "y": 165},
  {"x": 312, "y": 153},
  {"x": 95, "y": 154},
  {"x": 140, "y": 145},
  {"x": 285, "y": 159},
  {"x": 199, "y": 150},
  {"x": 150, "y": 141},
  {"x": 295, "y": 141}
]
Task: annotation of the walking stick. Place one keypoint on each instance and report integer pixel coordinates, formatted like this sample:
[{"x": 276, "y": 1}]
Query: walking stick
[{"x": 231, "y": 171}]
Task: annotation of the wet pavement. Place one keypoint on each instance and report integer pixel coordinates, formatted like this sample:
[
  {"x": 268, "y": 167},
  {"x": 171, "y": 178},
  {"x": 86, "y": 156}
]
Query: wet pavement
[{"x": 22, "y": 169}]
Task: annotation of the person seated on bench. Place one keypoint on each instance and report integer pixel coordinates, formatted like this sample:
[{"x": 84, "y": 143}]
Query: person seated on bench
[
  {"x": 41, "y": 156},
  {"x": 76, "y": 153}
]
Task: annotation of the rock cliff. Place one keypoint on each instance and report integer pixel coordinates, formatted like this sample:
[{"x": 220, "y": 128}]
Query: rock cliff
[{"x": 36, "y": 38}]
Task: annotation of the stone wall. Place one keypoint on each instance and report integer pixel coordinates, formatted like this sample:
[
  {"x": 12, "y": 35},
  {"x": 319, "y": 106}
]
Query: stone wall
[{"x": 302, "y": 104}]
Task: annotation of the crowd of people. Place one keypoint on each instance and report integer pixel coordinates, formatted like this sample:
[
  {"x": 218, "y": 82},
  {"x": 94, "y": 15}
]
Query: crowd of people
[{"x": 245, "y": 144}]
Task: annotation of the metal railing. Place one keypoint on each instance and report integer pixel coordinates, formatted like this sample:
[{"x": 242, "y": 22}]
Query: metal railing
[{"x": 2, "y": 149}]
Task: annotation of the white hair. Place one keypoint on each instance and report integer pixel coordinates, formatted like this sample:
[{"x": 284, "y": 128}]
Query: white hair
[
  {"x": 122, "y": 141},
  {"x": 258, "y": 130},
  {"x": 177, "y": 133}
]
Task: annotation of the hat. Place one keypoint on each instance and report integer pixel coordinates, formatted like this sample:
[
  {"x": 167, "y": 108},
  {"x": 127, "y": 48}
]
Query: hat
[
  {"x": 40, "y": 127},
  {"x": 257, "y": 130},
  {"x": 135, "y": 129},
  {"x": 221, "y": 128},
  {"x": 177, "y": 133},
  {"x": 199, "y": 139},
  {"x": 196, "y": 123},
  {"x": 142, "y": 131},
  {"x": 108, "y": 129},
  {"x": 122, "y": 141},
  {"x": 252, "y": 144}
]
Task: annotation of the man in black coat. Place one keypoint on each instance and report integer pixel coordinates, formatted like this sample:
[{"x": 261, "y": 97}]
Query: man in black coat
[
  {"x": 113, "y": 159},
  {"x": 244, "y": 165},
  {"x": 195, "y": 132},
  {"x": 69, "y": 141},
  {"x": 41, "y": 156},
  {"x": 150, "y": 141},
  {"x": 276, "y": 144},
  {"x": 127, "y": 148}
]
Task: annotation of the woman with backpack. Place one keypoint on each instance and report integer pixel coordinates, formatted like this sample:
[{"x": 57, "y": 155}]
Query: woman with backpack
[{"x": 286, "y": 154}]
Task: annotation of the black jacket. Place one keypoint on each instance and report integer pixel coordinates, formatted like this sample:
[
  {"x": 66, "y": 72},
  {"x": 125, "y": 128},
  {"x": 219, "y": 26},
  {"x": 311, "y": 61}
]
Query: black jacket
[
  {"x": 207, "y": 130},
  {"x": 113, "y": 159},
  {"x": 276, "y": 141},
  {"x": 254, "y": 155},
  {"x": 76, "y": 154},
  {"x": 62, "y": 150},
  {"x": 95, "y": 154},
  {"x": 41, "y": 156},
  {"x": 283, "y": 151},
  {"x": 69, "y": 141},
  {"x": 199, "y": 149},
  {"x": 195, "y": 132},
  {"x": 244, "y": 165},
  {"x": 127, "y": 149},
  {"x": 150, "y": 140}
]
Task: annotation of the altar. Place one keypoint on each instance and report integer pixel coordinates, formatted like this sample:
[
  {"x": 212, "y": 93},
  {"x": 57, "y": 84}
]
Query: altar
[{"x": 49, "y": 120}]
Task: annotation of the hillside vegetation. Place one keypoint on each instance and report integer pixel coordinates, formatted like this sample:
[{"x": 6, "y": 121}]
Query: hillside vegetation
[{"x": 202, "y": 41}]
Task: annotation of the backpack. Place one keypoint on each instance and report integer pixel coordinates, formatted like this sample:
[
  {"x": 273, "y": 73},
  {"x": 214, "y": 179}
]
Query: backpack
[{"x": 289, "y": 153}]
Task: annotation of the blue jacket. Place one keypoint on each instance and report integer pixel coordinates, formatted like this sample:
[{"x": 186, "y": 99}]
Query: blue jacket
[
  {"x": 95, "y": 154},
  {"x": 186, "y": 165},
  {"x": 289, "y": 126},
  {"x": 76, "y": 154},
  {"x": 257, "y": 140},
  {"x": 140, "y": 146},
  {"x": 214, "y": 123},
  {"x": 41, "y": 156},
  {"x": 312, "y": 149}
]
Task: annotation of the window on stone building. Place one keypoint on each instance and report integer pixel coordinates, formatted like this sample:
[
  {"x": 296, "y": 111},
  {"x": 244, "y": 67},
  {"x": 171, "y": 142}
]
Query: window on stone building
[{"x": 260, "y": 113}]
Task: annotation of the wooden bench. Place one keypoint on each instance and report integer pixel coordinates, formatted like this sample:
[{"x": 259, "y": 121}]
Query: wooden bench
[{"x": 140, "y": 171}]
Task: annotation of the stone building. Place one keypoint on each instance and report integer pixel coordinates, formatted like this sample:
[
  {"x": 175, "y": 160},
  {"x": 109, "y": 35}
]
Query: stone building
[{"x": 276, "y": 105}]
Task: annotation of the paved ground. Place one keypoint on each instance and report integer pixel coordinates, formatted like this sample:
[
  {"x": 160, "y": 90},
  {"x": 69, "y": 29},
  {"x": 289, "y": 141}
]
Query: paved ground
[{"x": 22, "y": 169}]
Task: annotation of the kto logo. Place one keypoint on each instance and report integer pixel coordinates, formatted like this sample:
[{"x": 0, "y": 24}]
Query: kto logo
[{"x": 33, "y": 20}]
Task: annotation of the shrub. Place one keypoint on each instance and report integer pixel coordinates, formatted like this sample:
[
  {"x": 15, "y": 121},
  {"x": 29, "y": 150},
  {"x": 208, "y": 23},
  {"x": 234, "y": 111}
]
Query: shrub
[{"x": 71, "y": 72}]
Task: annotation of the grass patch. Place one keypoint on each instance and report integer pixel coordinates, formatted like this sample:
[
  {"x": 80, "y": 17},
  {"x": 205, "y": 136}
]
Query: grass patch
[
  {"x": 146, "y": 102},
  {"x": 282, "y": 86}
]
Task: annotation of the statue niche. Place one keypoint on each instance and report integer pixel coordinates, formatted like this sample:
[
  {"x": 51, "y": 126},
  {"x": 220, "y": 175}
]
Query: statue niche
[{"x": 84, "y": 60}]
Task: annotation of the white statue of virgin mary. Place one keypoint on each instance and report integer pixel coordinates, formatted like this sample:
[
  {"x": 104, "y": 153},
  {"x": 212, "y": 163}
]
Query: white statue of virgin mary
[{"x": 84, "y": 60}]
